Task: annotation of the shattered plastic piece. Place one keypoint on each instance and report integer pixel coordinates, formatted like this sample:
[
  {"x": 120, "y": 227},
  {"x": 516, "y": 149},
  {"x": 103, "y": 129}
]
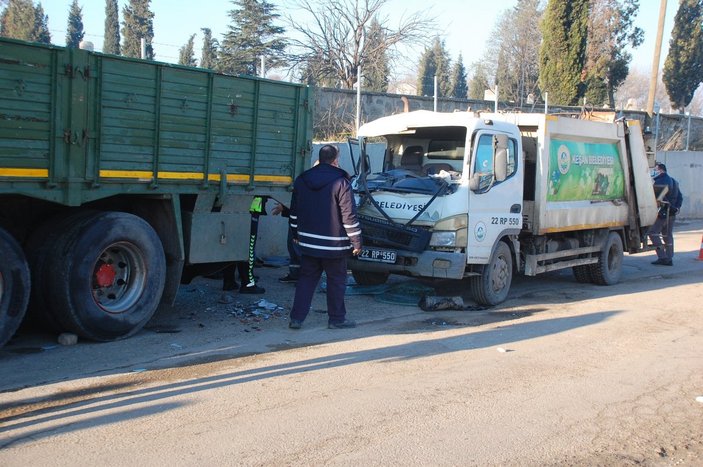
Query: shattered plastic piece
[
  {"x": 699, "y": 399},
  {"x": 501, "y": 350},
  {"x": 263, "y": 303}
]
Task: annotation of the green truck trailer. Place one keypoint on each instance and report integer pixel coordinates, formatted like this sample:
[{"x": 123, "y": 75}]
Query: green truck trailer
[{"x": 118, "y": 177}]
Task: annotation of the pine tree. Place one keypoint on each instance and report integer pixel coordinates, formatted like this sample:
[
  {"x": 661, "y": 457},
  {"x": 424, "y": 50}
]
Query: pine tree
[
  {"x": 375, "y": 67},
  {"x": 74, "y": 30},
  {"x": 208, "y": 55},
  {"x": 18, "y": 19},
  {"x": 459, "y": 87},
  {"x": 479, "y": 82},
  {"x": 251, "y": 35},
  {"x": 562, "y": 55},
  {"x": 137, "y": 23},
  {"x": 41, "y": 32},
  {"x": 186, "y": 55},
  {"x": 434, "y": 62},
  {"x": 683, "y": 67},
  {"x": 111, "y": 43}
]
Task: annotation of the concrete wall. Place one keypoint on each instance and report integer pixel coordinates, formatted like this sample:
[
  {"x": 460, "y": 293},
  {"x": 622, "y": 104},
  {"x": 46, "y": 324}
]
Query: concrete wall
[
  {"x": 335, "y": 115},
  {"x": 687, "y": 168}
]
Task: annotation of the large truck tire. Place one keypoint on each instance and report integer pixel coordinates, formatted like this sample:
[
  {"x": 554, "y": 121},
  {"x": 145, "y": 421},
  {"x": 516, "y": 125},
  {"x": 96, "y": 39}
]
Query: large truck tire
[
  {"x": 608, "y": 269},
  {"x": 40, "y": 249},
  {"x": 493, "y": 285},
  {"x": 583, "y": 274},
  {"x": 107, "y": 275},
  {"x": 369, "y": 278},
  {"x": 14, "y": 286}
]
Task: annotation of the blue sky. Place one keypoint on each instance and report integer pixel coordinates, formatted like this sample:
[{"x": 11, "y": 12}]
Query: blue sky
[{"x": 466, "y": 24}]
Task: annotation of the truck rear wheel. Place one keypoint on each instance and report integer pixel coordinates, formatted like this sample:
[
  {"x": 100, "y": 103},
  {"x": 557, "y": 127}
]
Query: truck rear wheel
[
  {"x": 608, "y": 269},
  {"x": 40, "y": 249},
  {"x": 583, "y": 273},
  {"x": 14, "y": 286},
  {"x": 108, "y": 275},
  {"x": 493, "y": 285},
  {"x": 369, "y": 278}
]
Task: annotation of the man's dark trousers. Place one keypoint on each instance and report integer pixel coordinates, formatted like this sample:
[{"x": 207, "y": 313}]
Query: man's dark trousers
[{"x": 310, "y": 271}]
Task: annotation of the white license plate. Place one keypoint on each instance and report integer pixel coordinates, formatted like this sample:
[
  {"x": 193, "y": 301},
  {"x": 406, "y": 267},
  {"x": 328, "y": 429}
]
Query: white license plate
[{"x": 378, "y": 255}]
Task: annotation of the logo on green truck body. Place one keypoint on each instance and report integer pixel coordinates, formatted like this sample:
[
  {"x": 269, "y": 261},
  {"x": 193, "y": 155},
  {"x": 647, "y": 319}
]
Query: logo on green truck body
[{"x": 584, "y": 171}]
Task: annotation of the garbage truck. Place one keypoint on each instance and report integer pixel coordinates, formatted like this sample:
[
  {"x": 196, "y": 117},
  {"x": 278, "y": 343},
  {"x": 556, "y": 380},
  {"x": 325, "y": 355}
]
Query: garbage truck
[
  {"x": 119, "y": 177},
  {"x": 482, "y": 196}
]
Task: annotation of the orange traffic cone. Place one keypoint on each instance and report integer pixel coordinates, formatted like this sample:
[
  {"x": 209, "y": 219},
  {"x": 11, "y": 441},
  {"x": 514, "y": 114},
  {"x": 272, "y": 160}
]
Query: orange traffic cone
[{"x": 700, "y": 252}]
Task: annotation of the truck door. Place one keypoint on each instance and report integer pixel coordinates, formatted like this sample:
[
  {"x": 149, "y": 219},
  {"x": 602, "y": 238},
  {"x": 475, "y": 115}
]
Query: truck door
[{"x": 495, "y": 198}]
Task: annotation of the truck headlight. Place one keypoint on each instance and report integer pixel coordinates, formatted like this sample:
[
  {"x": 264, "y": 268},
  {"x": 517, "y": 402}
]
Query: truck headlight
[
  {"x": 450, "y": 232},
  {"x": 443, "y": 239}
]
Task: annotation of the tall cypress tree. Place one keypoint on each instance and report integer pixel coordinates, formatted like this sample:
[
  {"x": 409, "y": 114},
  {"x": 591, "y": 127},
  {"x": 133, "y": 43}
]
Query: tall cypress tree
[
  {"x": 74, "y": 30},
  {"x": 208, "y": 54},
  {"x": 41, "y": 26},
  {"x": 562, "y": 55},
  {"x": 375, "y": 68},
  {"x": 137, "y": 23},
  {"x": 18, "y": 19},
  {"x": 434, "y": 62},
  {"x": 186, "y": 54},
  {"x": 111, "y": 43},
  {"x": 683, "y": 67},
  {"x": 459, "y": 88},
  {"x": 251, "y": 35},
  {"x": 479, "y": 82}
]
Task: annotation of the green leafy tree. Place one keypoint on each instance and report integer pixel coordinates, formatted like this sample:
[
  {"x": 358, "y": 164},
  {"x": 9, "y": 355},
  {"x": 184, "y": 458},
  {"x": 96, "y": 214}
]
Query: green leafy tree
[
  {"x": 375, "y": 68},
  {"x": 479, "y": 82},
  {"x": 251, "y": 35},
  {"x": 186, "y": 55},
  {"x": 434, "y": 61},
  {"x": 137, "y": 23},
  {"x": 18, "y": 19},
  {"x": 683, "y": 67},
  {"x": 74, "y": 30},
  {"x": 111, "y": 43},
  {"x": 208, "y": 54},
  {"x": 458, "y": 86},
  {"x": 562, "y": 55},
  {"x": 41, "y": 33},
  {"x": 610, "y": 32}
]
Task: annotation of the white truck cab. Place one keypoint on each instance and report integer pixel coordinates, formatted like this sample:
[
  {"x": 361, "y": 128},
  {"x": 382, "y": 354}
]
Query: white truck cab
[{"x": 469, "y": 195}]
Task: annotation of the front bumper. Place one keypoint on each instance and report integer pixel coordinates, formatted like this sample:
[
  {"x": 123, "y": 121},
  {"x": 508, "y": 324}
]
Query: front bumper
[{"x": 439, "y": 264}]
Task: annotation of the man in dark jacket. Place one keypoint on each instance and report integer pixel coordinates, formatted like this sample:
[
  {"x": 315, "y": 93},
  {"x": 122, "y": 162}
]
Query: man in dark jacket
[
  {"x": 324, "y": 224},
  {"x": 663, "y": 227}
]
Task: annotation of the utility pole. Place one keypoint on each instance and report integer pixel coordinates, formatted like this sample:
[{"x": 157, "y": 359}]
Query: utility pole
[{"x": 655, "y": 60}]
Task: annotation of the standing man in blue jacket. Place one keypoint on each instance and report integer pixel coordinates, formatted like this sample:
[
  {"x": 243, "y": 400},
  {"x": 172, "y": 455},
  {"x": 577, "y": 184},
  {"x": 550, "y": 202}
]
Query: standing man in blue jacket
[
  {"x": 663, "y": 227},
  {"x": 324, "y": 224}
]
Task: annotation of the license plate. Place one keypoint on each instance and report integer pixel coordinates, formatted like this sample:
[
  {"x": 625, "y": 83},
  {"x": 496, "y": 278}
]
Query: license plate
[{"x": 378, "y": 255}]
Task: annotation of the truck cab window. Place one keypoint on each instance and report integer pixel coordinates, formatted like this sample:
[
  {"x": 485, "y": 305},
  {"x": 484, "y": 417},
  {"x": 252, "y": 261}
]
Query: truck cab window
[{"x": 483, "y": 162}]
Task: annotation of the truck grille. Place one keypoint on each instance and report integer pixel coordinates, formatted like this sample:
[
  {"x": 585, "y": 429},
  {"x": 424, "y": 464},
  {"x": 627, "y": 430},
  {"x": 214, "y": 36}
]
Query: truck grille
[{"x": 382, "y": 233}]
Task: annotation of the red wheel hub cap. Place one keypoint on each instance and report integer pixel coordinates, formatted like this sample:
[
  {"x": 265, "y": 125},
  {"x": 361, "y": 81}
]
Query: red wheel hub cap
[{"x": 105, "y": 275}]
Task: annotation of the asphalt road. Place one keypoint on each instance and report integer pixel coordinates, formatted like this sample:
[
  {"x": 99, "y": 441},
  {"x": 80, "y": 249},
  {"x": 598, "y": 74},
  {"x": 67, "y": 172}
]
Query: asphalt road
[{"x": 560, "y": 374}]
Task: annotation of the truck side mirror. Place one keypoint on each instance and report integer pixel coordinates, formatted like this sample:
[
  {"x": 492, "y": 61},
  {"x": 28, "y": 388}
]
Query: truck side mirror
[{"x": 500, "y": 157}]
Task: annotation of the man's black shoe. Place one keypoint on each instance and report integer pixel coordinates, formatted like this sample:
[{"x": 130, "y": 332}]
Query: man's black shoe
[
  {"x": 295, "y": 324},
  {"x": 346, "y": 324},
  {"x": 663, "y": 262},
  {"x": 288, "y": 279},
  {"x": 253, "y": 289}
]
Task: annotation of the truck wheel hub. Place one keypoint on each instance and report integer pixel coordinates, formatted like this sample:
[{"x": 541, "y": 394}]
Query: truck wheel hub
[{"x": 105, "y": 275}]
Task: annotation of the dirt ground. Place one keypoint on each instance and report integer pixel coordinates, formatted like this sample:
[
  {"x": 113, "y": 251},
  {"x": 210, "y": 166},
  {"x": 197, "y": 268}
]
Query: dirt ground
[{"x": 560, "y": 374}]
